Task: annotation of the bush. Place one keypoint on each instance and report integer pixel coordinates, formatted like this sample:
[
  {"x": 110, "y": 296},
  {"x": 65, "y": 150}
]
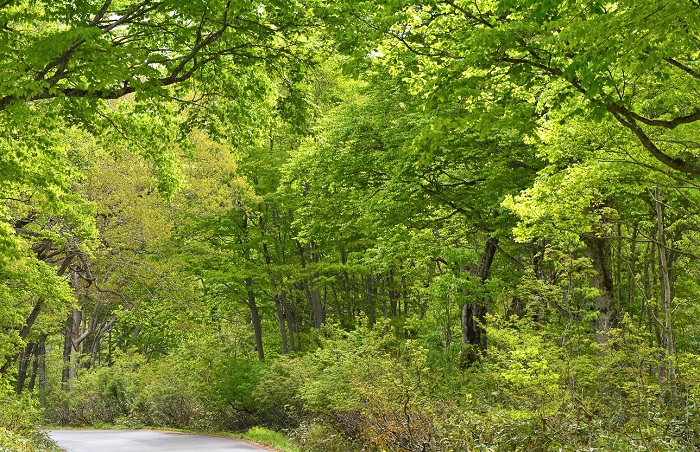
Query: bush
[
  {"x": 99, "y": 396},
  {"x": 18, "y": 414},
  {"x": 373, "y": 389},
  {"x": 322, "y": 437},
  {"x": 362, "y": 388},
  {"x": 19, "y": 420},
  {"x": 167, "y": 402}
]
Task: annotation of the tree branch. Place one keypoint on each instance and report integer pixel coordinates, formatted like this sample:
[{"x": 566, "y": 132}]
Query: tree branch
[
  {"x": 627, "y": 119},
  {"x": 683, "y": 67}
]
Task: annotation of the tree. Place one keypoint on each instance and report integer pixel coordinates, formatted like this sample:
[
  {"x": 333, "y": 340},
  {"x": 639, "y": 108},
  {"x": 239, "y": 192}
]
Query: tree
[
  {"x": 378, "y": 152},
  {"x": 66, "y": 65},
  {"x": 629, "y": 60}
]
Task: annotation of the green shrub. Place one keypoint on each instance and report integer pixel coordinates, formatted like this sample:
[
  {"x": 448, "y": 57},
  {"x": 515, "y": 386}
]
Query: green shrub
[
  {"x": 18, "y": 414},
  {"x": 169, "y": 403},
  {"x": 19, "y": 420},
  {"x": 99, "y": 396},
  {"x": 322, "y": 437}
]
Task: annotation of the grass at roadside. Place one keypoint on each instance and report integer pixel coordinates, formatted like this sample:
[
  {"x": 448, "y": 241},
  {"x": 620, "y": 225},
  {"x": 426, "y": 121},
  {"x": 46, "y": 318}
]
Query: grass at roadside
[{"x": 270, "y": 438}]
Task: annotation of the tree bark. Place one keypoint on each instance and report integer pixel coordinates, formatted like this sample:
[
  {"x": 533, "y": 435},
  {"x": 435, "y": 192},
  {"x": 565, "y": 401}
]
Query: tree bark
[
  {"x": 289, "y": 315},
  {"x": 277, "y": 296},
  {"x": 24, "y": 362},
  {"x": 35, "y": 369},
  {"x": 393, "y": 294},
  {"x": 67, "y": 352},
  {"x": 283, "y": 315},
  {"x": 598, "y": 250},
  {"x": 318, "y": 312},
  {"x": 255, "y": 318},
  {"x": 474, "y": 311},
  {"x": 369, "y": 293},
  {"x": 667, "y": 369},
  {"x": 42, "y": 371}
]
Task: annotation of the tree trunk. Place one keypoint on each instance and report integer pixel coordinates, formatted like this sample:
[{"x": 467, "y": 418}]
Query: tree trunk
[
  {"x": 598, "y": 250},
  {"x": 35, "y": 368},
  {"x": 667, "y": 369},
  {"x": 517, "y": 307},
  {"x": 393, "y": 294},
  {"x": 349, "y": 288},
  {"x": 277, "y": 296},
  {"x": 289, "y": 315},
  {"x": 404, "y": 295},
  {"x": 282, "y": 324},
  {"x": 255, "y": 319},
  {"x": 67, "y": 352},
  {"x": 24, "y": 362},
  {"x": 42, "y": 371},
  {"x": 319, "y": 313},
  {"x": 632, "y": 269},
  {"x": 474, "y": 311},
  {"x": 370, "y": 309}
]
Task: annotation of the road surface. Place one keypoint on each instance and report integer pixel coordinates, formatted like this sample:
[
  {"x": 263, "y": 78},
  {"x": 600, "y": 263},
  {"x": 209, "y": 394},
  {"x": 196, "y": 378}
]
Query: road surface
[{"x": 145, "y": 441}]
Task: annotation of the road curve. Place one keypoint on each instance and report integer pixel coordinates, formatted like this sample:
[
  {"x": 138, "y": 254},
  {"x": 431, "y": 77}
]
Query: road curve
[{"x": 145, "y": 441}]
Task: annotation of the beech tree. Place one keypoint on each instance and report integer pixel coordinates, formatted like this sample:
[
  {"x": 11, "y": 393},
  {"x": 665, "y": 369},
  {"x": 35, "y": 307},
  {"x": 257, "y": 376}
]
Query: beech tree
[
  {"x": 631, "y": 61},
  {"x": 65, "y": 65}
]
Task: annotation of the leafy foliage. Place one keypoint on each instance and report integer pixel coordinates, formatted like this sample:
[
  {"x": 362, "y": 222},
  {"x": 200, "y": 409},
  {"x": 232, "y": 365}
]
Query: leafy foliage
[{"x": 440, "y": 225}]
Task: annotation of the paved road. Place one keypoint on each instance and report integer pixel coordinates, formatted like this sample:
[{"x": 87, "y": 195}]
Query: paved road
[{"x": 145, "y": 441}]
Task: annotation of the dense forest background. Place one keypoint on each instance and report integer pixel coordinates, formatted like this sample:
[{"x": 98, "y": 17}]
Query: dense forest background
[{"x": 409, "y": 226}]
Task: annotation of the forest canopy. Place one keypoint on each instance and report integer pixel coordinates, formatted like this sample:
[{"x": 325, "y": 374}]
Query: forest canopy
[{"x": 407, "y": 226}]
